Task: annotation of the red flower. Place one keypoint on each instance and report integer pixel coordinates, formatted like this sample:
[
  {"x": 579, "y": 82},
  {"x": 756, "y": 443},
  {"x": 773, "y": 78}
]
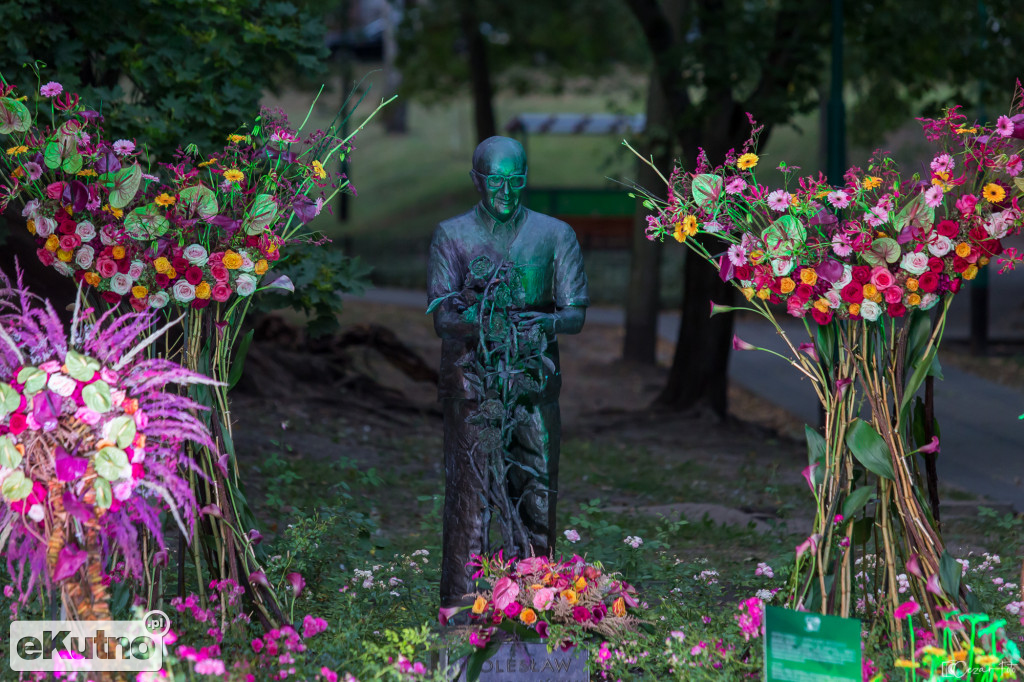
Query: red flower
[
  {"x": 935, "y": 264},
  {"x": 139, "y": 304},
  {"x": 123, "y": 265},
  {"x": 194, "y": 275},
  {"x": 861, "y": 274},
  {"x": 960, "y": 264},
  {"x": 199, "y": 303},
  {"x": 853, "y": 292},
  {"x": 45, "y": 257},
  {"x": 179, "y": 264},
  {"x": 928, "y": 282},
  {"x": 581, "y": 614},
  {"x": 162, "y": 280},
  {"x": 18, "y": 423},
  {"x": 897, "y": 309},
  {"x": 803, "y": 293},
  {"x": 111, "y": 298},
  {"x": 948, "y": 228},
  {"x": 743, "y": 272},
  {"x": 820, "y": 317}
]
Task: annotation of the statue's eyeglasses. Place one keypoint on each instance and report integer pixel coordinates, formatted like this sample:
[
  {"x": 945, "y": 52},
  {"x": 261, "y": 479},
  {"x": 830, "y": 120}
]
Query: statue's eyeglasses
[{"x": 496, "y": 181}]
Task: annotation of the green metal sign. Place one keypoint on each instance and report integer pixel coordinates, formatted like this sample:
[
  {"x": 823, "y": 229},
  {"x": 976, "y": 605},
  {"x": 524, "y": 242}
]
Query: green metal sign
[{"x": 808, "y": 647}]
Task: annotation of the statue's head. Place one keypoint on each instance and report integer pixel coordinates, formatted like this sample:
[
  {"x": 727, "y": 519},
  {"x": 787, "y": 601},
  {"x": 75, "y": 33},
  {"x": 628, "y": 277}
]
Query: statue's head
[{"x": 499, "y": 173}]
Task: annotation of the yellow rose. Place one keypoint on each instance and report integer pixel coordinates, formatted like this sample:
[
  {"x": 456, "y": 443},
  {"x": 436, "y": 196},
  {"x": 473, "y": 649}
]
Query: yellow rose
[
  {"x": 570, "y": 597},
  {"x": 855, "y": 308},
  {"x": 983, "y": 261},
  {"x": 870, "y": 290},
  {"x": 971, "y": 272},
  {"x": 261, "y": 266},
  {"x": 748, "y": 292},
  {"x": 809, "y": 277},
  {"x": 912, "y": 284},
  {"x": 764, "y": 293},
  {"x": 786, "y": 285},
  {"x": 232, "y": 261},
  {"x": 52, "y": 243},
  {"x": 162, "y": 265},
  {"x": 139, "y": 291},
  {"x": 914, "y": 299},
  {"x": 203, "y": 290},
  {"x": 64, "y": 255},
  {"x": 963, "y": 249},
  {"x": 822, "y": 305},
  {"x": 479, "y": 605},
  {"x": 31, "y": 225},
  {"x": 580, "y": 583}
]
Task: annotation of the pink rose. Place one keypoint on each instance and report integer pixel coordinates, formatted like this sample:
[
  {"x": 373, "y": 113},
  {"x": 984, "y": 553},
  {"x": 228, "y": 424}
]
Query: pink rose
[
  {"x": 45, "y": 257},
  {"x": 966, "y": 204},
  {"x": 55, "y": 190},
  {"x": 221, "y": 292},
  {"x": 45, "y": 226},
  {"x": 216, "y": 258},
  {"x": 85, "y": 230},
  {"x": 135, "y": 269},
  {"x": 106, "y": 267},
  {"x": 220, "y": 273},
  {"x": 84, "y": 256},
  {"x": 881, "y": 277},
  {"x": 183, "y": 291},
  {"x": 893, "y": 295},
  {"x": 543, "y": 599},
  {"x": 531, "y": 565},
  {"x": 70, "y": 242},
  {"x": 505, "y": 592}
]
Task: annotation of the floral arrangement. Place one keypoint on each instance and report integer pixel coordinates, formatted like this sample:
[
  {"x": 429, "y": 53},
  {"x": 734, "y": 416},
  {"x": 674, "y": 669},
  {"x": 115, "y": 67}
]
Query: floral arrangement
[
  {"x": 863, "y": 260},
  {"x": 528, "y": 595},
  {"x": 91, "y": 445},
  {"x": 195, "y": 231}
]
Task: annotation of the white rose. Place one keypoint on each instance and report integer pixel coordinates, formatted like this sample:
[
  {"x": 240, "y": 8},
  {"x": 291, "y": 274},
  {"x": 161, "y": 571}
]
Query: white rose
[
  {"x": 45, "y": 226},
  {"x": 120, "y": 283},
  {"x": 845, "y": 279},
  {"x": 107, "y": 236},
  {"x": 35, "y": 512},
  {"x": 915, "y": 262},
  {"x": 928, "y": 301},
  {"x": 247, "y": 264},
  {"x": 996, "y": 225},
  {"x": 940, "y": 246},
  {"x": 870, "y": 310},
  {"x": 135, "y": 269},
  {"x": 245, "y": 285},
  {"x": 30, "y": 209},
  {"x": 86, "y": 231},
  {"x": 122, "y": 489},
  {"x": 834, "y": 299},
  {"x": 84, "y": 257},
  {"x": 196, "y": 254},
  {"x": 159, "y": 300},
  {"x": 183, "y": 291},
  {"x": 782, "y": 266},
  {"x": 63, "y": 268},
  {"x": 61, "y": 384}
]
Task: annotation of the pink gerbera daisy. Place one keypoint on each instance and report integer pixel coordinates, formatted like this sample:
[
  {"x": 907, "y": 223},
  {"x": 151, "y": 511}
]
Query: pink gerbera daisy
[
  {"x": 778, "y": 200},
  {"x": 735, "y": 186},
  {"x": 841, "y": 245},
  {"x": 933, "y": 197},
  {"x": 1004, "y": 126},
  {"x": 51, "y": 89},
  {"x": 943, "y": 163},
  {"x": 839, "y": 198},
  {"x": 123, "y": 147},
  {"x": 737, "y": 255}
]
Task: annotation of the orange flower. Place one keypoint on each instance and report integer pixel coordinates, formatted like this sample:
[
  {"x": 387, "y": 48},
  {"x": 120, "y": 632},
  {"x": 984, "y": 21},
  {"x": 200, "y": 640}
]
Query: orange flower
[
  {"x": 678, "y": 233},
  {"x": 203, "y": 290},
  {"x": 261, "y": 266},
  {"x": 570, "y": 597},
  {"x": 971, "y": 272},
  {"x": 91, "y": 278},
  {"x": 870, "y": 290},
  {"x": 746, "y": 161},
  {"x": 164, "y": 199},
  {"x": 116, "y": 212},
  {"x": 871, "y": 182},
  {"x": 914, "y": 299},
  {"x": 855, "y": 308},
  {"x": 786, "y": 285},
  {"x": 528, "y": 616},
  {"x": 479, "y": 605},
  {"x": 993, "y": 193},
  {"x": 232, "y": 261},
  {"x": 764, "y": 293},
  {"x": 911, "y": 284},
  {"x": 821, "y": 305},
  {"x": 963, "y": 249},
  {"x": 52, "y": 243},
  {"x": 139, "y": 291},
  {"x": 117, "y": 252},
  {"x": 131, "y": 406},
  {"x": 31, "y": 225},
  {"x": 808, "y": 277},
  {"x": 580, "y": 584},
  {"x": 619, "y": 607}
]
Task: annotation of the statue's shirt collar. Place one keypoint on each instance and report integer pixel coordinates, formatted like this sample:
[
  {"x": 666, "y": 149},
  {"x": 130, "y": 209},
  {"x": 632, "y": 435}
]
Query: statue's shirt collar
[{"x": 498, "y": 227}]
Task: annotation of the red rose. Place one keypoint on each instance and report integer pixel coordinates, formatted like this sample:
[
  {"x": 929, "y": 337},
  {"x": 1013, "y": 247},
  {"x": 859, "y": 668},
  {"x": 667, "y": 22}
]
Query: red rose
[
  {"x": 936, "y": 265},
  {"x": 70, "y": 242},
  {"x": 954, "y": 285},
  {"x": 743, "y": 272},
  {"x": 18, "y": 423},
  {"x": 820, "y": 317},
  {"x": 861, "y": 274},
  {"x": 66, "y": 227},
  {"x": 948, "y": 228},
  {"x": 198, "y": 303},
  {"x": 960, "y": 265},
  {"x": 928, "y": 282},
  {"x": 220, "y": 273},
  {"x": 897, "y": 309},
  {"x": 179, "y": 264},
  {"x": 221, "y": 292},
  {"x": 194, "y": 275},
  {"x": 162, "y": 280},
  {"x": 853, "y": 292},
  {"x": 803, "y": 293},
  {"x": 111, "y": 298},
  {"x": 139, "y": 304}
]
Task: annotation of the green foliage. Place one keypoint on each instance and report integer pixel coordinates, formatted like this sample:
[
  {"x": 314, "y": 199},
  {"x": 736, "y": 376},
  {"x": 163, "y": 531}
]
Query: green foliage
[
  {"x": 168, "y": 72},
  {"x": 320, "y": 275}
]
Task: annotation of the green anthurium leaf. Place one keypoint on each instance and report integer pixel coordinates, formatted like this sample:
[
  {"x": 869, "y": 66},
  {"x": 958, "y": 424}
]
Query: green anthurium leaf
[
  {"x": 111, "y": 463},
  {"x": 126, "y": 185},
  {"x": 16, "y": 486},
  {"x": 146, "y": 222},
  {"x": 10, "y": 400},
  {"x": 97, "y": 397},
  {"x": 121, "y": 431},
  {"x": 10, "y": 458},
  {"x": 916, "y": 212},
  {"x": 106, "y": 179},
  {"x": 14, "y": 116},
  {"x": 856, "y": 501},
  {"x": 706, "y": 189},
  {"x": 198, "y": 200},
  {"x": 72, "y": 164},
  {"x": 260, "y": 215},
  {"x": 33, "y": 378},
  {"x": 887, "y": 249},
  {"x": 104, "y": 495},
  {"x": 81, "y": 367},
  {"x": 51, "y": 154},
  {"x": 68, "y": 131},
  {"x": 949, "y": 574},
  {"x": 1019, "y": 181},
  {"x": 869, "y": 448},
  {"x": 783, "y": 236}
]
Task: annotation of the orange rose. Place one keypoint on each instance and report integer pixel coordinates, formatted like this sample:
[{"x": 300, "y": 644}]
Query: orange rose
[
  {"x": 52, "y": 243},
  {"x": 822, "y": 305},
  {"x": 91, "y": 278},
  {"x": 528, "y": 616},
  {"x": 117, "y": 252},
  {"x": 870, "y": 290},
  {"x": 971, "y": 272},
  {"x": 855, "y": 308},
  {"x": 786, "y": 285},
  {"x": 581, "y": 583},
  {"x": 912, "y": 284},
  {"x": 570, "y": 597},
  {"x": 139, "y": 291},
  {"x": 261, "y": 266},
  {"x": 809, "y": 277},
  {"x": 232, "y": 261},
  {"x": 764, "y": 293},
  {"x": 162, "y": 265},
  {"x": 963, "y": 249},
  {"x": 31, "y": 225},
  {"x": 203, "y": 290},
  {"x": 479, "y": 605},
  {"x": 914, "y": 299}
]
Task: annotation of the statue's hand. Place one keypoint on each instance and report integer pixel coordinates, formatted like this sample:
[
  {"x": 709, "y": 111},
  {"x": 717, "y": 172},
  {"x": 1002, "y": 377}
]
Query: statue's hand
[{"x": 546, "y": 321}]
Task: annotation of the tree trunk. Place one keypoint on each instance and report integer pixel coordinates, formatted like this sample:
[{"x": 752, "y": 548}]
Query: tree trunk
[
  {"x": 479, "y": 72},
  {"x": 643, "y": 298}
]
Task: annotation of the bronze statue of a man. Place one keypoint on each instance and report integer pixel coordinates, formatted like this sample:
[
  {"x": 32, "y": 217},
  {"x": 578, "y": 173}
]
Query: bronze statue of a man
[{"x": 546, "y": 255}]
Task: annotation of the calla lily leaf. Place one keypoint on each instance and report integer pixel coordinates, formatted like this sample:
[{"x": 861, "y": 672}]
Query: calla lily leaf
[
  {"x": 10, "y": 458},
  {"x": 97, "y": 397},
  {"x": 121, "y": 431},
  {"x": 16, "y": 487},
  {"x": 81, "y": 367}
]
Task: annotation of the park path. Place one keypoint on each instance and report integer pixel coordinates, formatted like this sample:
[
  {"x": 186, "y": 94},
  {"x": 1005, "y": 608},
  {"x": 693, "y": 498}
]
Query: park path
[{"x": 981, "y": 435}]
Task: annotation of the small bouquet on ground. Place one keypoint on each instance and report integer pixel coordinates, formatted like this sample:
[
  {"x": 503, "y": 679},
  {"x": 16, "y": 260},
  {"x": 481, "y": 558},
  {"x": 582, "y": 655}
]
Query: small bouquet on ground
[{"x": 528, "y": 595}]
